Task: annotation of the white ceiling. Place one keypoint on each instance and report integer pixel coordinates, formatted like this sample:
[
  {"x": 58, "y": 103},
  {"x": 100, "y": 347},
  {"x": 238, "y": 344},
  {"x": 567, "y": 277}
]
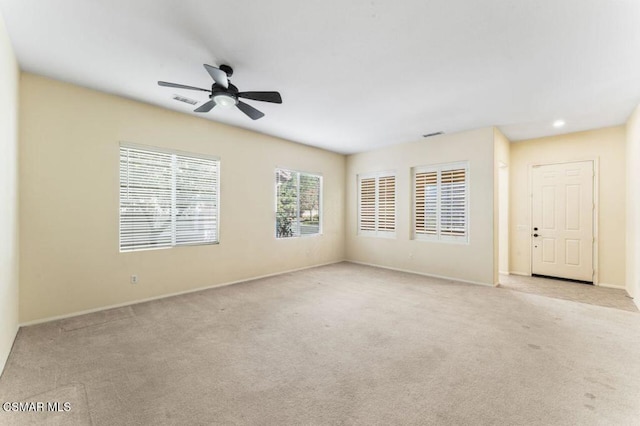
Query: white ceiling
[{"x": 354, "y": 75}]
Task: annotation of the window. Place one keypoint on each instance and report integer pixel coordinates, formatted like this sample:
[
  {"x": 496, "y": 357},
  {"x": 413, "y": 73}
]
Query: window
[
  {"x": 167, "y": 198},
  {"x": 298, "y": 203},
  {"x": 441, "y": 202},
  {"x": 377, "y": 204}
]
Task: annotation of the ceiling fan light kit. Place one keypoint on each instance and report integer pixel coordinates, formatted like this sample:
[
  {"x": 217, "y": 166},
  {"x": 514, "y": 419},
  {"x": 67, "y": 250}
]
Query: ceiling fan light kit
[
  {"x": 224, "y": 100},
  {"x": 224, "y": 94}
]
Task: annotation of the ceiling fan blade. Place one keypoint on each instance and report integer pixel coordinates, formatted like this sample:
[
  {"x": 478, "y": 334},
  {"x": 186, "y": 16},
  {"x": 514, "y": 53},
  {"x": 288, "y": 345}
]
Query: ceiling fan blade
[
  {"x": 218, "y": 75},
  {"x": 262, "y": 96},
  {"x": 180, "y": 86},
  {"x": 253, "y": 113},
  {"x": 205, "y": 107}
]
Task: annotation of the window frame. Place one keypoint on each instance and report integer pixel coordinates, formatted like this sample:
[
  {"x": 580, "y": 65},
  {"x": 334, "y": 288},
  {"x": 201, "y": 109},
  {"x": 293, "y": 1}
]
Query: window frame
[
  {"x": 377, "y": 232},
  {"x": 438, "y": 169},
  {"x": 173, "y": 152},
  {"x": 320, "y": 203}
]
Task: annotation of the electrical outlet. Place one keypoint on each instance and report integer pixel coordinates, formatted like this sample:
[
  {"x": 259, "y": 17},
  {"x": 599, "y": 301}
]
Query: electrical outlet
[{"x": 134, "y": 279}]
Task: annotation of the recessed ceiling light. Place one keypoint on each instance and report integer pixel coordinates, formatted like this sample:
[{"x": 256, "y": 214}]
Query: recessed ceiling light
[{"x": 558, "y": 123}]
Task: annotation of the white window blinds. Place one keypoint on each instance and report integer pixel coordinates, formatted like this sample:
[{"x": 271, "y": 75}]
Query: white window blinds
[
  {"x": 441, "y": 206},
  {"x": 387, "y": 203},
  {"x": 377, "y": 204},
  {"x": 368, "y": 204},
  {"x": 426, "y": 199},
  {"x": 167, "y": 198},
  {"x": 298, "y": 203},
  {"x": 453, "y": 202}
]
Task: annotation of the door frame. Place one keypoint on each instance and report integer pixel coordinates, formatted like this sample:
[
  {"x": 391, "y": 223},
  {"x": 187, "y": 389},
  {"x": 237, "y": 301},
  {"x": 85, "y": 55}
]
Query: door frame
[{"x": 596, "y": 209}]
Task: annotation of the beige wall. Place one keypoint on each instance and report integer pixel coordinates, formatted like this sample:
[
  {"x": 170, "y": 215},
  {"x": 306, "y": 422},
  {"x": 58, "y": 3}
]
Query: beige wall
[
  {"x": 69, "y": 202},
  {"x": 501, "y": 203},
  {"x": 633, "y": 206},
  {"x": 608, "y": 146},
  {"x": 472, "y": 262},
  {"x": 9, "y": 75}
]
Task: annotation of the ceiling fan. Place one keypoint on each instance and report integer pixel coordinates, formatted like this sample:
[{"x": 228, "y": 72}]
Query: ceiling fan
[{"x": 225, "y": 94}]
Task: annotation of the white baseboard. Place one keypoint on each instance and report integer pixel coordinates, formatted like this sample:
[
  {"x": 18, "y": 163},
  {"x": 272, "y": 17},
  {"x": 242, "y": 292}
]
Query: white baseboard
[
  {"x": 610, "y": 286},
  {"x": 422, "y": 273},
  {"x": 164, "y": 296},
  {"x": 522, "y": 274},
  {"x": 503, "y": 272}
]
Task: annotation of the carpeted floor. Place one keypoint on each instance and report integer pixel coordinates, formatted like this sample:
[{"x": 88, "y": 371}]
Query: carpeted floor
[{"x": 340, "y": 344}]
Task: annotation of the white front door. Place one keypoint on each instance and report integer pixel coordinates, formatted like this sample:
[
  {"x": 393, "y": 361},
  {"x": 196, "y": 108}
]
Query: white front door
[{"x": 562, "y": 226}]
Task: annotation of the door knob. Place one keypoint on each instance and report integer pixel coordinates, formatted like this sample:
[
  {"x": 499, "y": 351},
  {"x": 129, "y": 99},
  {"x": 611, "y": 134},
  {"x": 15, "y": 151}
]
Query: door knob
[{"x": 535, "y": 235}]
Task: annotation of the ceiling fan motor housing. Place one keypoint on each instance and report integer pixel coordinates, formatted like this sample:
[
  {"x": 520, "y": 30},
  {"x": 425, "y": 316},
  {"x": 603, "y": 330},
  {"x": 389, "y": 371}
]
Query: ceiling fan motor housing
[{"x": 220, "y": 93}]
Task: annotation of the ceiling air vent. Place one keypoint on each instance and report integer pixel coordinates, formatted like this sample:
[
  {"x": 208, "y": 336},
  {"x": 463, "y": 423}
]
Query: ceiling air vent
[
  {"x": 428, "y": 135},
  {"x": 185, "y": 100}
]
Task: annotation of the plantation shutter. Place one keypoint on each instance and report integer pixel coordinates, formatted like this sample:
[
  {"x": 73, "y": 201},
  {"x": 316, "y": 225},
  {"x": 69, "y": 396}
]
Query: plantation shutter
[
  {"x": 453, "y": 202},
  {"x": 377, "y": 204},
  {"x": 167, "y": 199},
  {"x": 387, "y": 203},
  {"x": 440, "y": 202},
  {"x": 145, "y": 199},
  {"x": 426, "y": 203},
  {"x": 196, "y": 201},
  {"x": 367, "y": 213}
]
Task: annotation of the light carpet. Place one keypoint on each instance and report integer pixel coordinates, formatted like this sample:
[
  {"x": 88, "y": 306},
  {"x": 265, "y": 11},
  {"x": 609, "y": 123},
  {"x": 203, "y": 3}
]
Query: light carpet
[{"x": 340, "y": 344}]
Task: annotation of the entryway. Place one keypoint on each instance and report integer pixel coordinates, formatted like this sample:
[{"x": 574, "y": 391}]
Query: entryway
[{"x": 593, "y": 295}]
